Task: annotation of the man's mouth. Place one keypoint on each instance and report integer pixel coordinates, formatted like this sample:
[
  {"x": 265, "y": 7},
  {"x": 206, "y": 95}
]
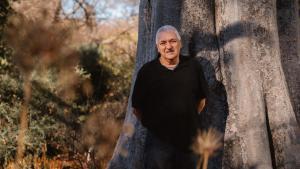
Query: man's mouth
[{"x": 170, "y": 52}]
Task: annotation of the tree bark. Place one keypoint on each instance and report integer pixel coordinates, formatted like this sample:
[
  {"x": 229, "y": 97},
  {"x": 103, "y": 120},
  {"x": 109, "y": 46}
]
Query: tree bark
[
  {"x": 261, "y": 130},
  {"x": 237, "y": 44},
  {"x": 289, "y": 38},
  {"x": 200, "y": 41}
]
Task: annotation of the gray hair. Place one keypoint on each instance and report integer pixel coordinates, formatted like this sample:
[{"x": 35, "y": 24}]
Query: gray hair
[{"x": 167, "y": 28}]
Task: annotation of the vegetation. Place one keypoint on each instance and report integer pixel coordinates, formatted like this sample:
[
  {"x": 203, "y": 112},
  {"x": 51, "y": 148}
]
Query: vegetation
[{"x": 67, "y": 92}]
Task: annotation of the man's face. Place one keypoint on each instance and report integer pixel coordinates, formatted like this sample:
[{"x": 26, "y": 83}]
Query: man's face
[{"x": 168, "y": 45}]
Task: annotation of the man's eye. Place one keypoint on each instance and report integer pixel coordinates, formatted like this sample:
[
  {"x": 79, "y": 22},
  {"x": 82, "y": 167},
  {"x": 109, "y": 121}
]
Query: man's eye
[{"x": 162, "y": 43}]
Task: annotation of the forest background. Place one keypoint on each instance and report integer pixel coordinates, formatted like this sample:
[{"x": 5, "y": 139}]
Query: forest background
[{"x": 65, "y": 68}]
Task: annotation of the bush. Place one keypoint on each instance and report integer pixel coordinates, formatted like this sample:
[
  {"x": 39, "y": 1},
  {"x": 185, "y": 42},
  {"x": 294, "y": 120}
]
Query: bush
[{"x": 63, "y": 100}]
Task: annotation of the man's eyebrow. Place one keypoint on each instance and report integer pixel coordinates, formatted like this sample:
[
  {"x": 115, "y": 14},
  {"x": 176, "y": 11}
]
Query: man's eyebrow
[{"x": 168, "y": 40}]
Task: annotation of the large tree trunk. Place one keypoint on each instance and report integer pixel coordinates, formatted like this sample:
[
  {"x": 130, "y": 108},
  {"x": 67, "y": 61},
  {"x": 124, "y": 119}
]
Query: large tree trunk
[
  {"x": 261, "y": 128},
  {"x": 258, "y": 98}
]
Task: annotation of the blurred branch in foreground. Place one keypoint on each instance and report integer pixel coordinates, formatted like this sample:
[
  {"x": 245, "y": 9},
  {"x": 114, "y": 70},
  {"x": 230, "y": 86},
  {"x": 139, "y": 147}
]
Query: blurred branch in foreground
[
  {"x": 37, "y": 53},
  {"x": 206, "y": 145}
]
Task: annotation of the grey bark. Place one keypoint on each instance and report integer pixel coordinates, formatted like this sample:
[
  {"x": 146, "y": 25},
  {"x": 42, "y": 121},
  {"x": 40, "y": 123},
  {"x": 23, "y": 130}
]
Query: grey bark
[
  {"x": 238, "y": 46},
  {"x": 258, "y": 99},
  {"x": 200, "y": 41},
  {"x": 289, "y": 38}
]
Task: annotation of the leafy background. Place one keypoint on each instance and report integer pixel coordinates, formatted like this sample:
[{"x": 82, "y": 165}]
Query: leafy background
[{"x": 78, "y": 66}]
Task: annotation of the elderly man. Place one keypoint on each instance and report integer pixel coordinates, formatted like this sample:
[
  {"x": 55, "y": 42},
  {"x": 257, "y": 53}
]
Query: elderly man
[{"x": 168, "y": 94}]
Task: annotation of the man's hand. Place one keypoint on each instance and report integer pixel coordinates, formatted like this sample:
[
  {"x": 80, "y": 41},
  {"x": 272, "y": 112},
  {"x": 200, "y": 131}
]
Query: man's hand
[
  {"x": 137, "y": 114},
  {"x": 201, "y": 105}
]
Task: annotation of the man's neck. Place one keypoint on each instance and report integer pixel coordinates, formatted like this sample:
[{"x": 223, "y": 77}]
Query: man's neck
[{"x": 169, "y": 63}]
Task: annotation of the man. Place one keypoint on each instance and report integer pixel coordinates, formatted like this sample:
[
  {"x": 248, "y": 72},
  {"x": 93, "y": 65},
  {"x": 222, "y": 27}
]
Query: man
[{"x": 168, "y": 94}]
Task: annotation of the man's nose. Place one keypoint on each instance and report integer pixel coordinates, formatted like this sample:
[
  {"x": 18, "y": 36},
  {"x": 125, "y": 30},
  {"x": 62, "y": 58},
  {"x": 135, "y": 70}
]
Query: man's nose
[{"x": 168, "y": 46}]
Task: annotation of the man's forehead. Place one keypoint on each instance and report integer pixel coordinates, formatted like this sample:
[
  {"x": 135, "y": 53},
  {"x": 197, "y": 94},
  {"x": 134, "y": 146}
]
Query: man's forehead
[{"x": 166, "y": 35}]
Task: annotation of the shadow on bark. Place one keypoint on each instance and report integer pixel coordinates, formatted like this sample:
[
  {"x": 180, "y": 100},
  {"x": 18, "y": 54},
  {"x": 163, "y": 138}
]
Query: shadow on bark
[
  {"x": 216, "y": 112},
  {"x": 289, "y": 48}
]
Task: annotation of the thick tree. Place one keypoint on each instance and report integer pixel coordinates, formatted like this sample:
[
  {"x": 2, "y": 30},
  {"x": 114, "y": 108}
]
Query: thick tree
[
  {"x": 240, "y": 47},
  {"x": 261, "y": 129}
]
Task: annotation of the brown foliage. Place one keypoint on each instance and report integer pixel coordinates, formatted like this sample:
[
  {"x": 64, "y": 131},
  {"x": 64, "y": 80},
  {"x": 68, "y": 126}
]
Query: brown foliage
[{"x": 39, "y": 42}]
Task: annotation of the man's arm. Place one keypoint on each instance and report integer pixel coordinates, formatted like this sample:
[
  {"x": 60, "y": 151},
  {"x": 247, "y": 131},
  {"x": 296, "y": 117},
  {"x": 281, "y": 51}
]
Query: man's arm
[
  {"x": 137, "y": 113},
  {"x": 201, "y": 104},
  {"x": 203, "y": 89}
]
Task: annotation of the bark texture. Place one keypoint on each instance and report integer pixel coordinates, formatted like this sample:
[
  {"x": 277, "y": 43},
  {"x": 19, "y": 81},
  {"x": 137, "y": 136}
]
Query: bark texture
[
  {"x": 237, "y": 44},
  {"x": 261, "y": 131},
  {"x": 289, "y": 38}
]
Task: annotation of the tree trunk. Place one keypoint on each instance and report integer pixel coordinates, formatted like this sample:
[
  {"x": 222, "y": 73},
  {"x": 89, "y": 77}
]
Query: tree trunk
[
  {"x": 289, "y": 38},
  {"x": 246, "y": 82},
  {"x": 261, "y": 130}
]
